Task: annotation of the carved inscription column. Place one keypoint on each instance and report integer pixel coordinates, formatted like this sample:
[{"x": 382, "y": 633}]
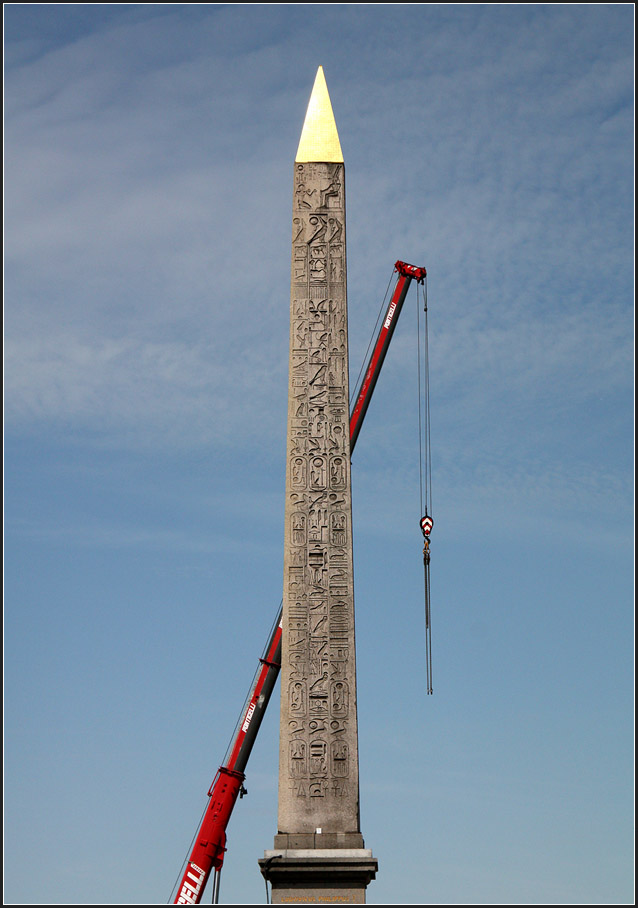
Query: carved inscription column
[{"x": 318, "y": 772}]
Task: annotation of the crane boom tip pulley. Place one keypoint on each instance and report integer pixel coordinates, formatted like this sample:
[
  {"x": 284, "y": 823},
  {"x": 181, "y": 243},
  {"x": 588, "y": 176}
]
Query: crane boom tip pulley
[{"x": 414, "y": 271}]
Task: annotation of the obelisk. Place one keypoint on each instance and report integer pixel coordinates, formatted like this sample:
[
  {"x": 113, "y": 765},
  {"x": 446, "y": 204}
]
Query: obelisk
[{"x": 319, "y": 852}]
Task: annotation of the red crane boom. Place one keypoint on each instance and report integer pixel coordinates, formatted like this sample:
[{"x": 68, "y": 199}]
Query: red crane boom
[{"x": 208, "y": 850}]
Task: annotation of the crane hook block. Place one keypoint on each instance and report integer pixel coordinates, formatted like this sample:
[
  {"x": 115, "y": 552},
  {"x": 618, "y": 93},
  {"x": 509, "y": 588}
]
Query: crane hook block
[{"x": 426, "y": 525}]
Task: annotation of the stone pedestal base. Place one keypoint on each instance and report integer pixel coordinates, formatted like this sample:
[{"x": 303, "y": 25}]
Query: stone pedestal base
[{"x": 318, "y": 875}]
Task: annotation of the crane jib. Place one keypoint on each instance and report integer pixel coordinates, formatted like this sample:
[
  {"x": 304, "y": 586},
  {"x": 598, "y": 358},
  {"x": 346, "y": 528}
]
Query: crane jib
[
  {"x": 258, "y": 700},
  {"x": 210, "y": 843},
  {"x": 192, "y": 885},
  {"x": 378, "y": 355}
]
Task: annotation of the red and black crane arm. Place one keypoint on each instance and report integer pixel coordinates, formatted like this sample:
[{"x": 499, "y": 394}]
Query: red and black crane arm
[
  {"x": 407, "y": 273},
  {"x": 208, "y": 849},
  {"x": 207, "y": 853}
]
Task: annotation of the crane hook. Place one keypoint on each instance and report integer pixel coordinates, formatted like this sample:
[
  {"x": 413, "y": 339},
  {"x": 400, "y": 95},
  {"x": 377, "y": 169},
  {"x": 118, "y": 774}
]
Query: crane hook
[{"x": 426, "y": 528}]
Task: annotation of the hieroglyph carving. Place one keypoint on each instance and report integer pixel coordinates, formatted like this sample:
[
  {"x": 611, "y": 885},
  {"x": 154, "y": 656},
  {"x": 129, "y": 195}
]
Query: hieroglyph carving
[{"x": 318, "y": 671}]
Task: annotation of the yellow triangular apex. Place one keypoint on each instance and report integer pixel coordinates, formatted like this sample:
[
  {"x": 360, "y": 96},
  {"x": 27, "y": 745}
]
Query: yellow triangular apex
[{"x": 319, "y": 137}]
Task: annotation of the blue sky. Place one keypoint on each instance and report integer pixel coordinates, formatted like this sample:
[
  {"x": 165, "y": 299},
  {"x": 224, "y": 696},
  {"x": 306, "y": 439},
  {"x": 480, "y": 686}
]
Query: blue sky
[{"x": 148, "y": 193}]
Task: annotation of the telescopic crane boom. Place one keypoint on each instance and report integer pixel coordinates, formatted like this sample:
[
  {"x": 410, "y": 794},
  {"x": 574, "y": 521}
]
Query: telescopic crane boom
[{"x": 207, "y": 853}]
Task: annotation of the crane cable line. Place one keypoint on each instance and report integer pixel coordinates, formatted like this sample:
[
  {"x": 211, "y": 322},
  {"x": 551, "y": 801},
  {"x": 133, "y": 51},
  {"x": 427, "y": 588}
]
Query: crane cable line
[
  {"x": 427, "y": 432},
  {"x": 425, "y": 469},
  {"x": 382, "y": 309},
  {"x": 185, "y": 861},
  {"x": 425, "y": 449},
  {"x": 215, "y": 893}
]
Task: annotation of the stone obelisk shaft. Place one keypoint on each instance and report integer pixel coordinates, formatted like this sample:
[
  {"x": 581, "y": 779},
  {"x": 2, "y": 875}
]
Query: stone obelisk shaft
[
  {"x": 318, "y": 762},
  {"x": 318, "y": 768}
]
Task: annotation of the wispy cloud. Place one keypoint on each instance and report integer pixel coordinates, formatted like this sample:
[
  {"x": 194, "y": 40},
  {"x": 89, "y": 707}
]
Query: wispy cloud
[
  {"x": 148, "y": 236},
  {"x": 139, "y": 394}
]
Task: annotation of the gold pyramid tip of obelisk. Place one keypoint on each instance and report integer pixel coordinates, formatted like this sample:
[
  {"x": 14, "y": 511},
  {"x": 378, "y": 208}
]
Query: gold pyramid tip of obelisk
[{"x": 319, "y": 140}]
